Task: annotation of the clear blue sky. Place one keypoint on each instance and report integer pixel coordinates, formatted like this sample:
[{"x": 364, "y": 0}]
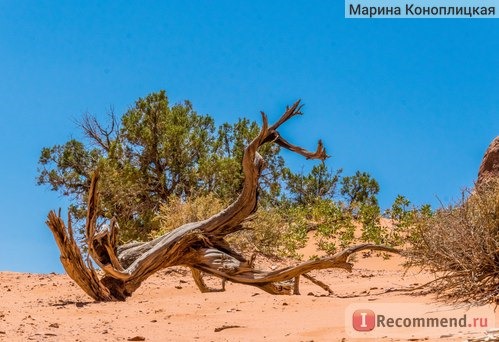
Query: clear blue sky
[{"x": 413, "y": 102}]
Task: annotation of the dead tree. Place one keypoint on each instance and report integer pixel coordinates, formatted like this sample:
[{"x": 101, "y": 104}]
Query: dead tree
[{"x": 201, "y": 246}]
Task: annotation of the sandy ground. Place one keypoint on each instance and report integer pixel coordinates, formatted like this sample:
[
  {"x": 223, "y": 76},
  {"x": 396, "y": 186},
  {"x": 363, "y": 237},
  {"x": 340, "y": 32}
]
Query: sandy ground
[{"x": 169, "y": 307}]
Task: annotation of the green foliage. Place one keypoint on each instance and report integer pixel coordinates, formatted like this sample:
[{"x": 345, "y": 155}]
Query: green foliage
[
  {"x": 155, "y": 151},
  {"x": 272, "y": 231},
  {"x": 72, "y": 164},
  {"x": 399, "y": 210},
  {"x": 334, "y": 225},
  {"x": 372, "y": 230},
  {"x": 225, "y": 164},
  {"x": 164, "y": 165},
  {"x": 360, "y": 189},
  {"x": 275, "y": 232},
  {"x": 405, "y": 218},
  {"x": 319, "y": 184},
  {"x": 166, "y": 145}
]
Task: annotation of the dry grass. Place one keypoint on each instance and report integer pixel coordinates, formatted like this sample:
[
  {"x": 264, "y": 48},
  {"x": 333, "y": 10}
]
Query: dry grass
[
  {"x": 269, "y": 232},
  {"x": 177, "y": 212},
  {"x": 461, "y": 245}
]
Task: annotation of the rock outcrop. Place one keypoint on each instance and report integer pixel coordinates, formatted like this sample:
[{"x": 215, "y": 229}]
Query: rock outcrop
[{"x": 489, "y": 169}]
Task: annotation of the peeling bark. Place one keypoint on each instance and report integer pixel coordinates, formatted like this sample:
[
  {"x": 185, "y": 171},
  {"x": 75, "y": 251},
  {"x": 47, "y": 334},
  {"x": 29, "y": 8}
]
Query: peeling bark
[{"x": 197, "y": 245}]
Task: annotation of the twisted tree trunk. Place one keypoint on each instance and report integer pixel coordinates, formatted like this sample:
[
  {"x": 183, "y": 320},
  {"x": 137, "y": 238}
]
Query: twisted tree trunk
[{"x": 198, "y": 245}]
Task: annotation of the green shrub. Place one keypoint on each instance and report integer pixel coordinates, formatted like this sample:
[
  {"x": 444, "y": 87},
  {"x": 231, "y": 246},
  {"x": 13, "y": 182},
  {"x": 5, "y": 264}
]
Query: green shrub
[
  {"x": 404, "y": 217},
  {"x": 334, "y": 226},
  {"x": 274, "y": 232}
]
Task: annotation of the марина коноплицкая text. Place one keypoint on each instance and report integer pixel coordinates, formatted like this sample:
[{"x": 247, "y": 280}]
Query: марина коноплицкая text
[{"x": 417, "y": 10}]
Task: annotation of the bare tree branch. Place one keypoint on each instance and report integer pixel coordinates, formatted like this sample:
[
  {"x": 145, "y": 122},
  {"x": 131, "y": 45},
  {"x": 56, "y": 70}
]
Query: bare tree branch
[{"x": 100, "y": 135}]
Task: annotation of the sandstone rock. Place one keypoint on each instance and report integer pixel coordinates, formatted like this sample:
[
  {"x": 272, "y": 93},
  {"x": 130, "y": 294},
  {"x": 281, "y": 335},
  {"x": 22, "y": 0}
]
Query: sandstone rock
[{"x": 489, "y": 168}]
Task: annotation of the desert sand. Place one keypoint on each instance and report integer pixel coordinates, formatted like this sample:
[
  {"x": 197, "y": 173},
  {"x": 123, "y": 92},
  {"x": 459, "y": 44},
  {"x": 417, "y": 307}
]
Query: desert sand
[{"x": 169, "y": 307}]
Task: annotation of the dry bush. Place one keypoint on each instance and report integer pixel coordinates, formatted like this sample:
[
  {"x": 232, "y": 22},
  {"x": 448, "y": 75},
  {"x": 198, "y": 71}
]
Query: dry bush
[
  {"x": 278, "y": 231},
  {"x": 177, "y": 212},
  {"x": 272, "y": 232},
  {"x": 461, "y": 245}
]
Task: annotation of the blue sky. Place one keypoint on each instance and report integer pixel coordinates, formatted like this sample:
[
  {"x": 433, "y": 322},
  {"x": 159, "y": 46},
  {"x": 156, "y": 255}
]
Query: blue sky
[{"x": 413, "y": 102}]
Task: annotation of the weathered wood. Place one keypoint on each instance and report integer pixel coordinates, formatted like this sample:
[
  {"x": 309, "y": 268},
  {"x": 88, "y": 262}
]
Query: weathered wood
[
  {"x": 198, "y": 280},
  {"x": 72, "y": 261},
  {"x": 319, "y": 283},
  {"x": 223, "y": 265},
  {"x": 198, "y": 245}
]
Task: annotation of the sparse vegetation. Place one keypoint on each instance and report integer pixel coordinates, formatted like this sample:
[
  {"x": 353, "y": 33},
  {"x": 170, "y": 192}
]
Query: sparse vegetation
[
  {"x": 460, "y": 244},
  {"x": 201, "y": 244},
  {"x": 177, "y": 212},
  {"x": 154, "y": 152},
  {"x": 163, "y": 165}
]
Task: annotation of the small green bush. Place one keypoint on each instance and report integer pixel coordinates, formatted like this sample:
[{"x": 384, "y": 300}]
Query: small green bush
[{"x": 273, "y": 232}]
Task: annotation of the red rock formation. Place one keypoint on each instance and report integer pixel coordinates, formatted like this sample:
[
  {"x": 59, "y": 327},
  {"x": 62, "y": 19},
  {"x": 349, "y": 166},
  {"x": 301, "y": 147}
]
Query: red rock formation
[{"x": 490, "y": 163}]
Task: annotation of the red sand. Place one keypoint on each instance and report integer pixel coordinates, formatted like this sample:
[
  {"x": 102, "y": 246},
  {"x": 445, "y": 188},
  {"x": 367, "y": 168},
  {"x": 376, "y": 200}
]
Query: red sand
[{"x": 169, "y": 307}]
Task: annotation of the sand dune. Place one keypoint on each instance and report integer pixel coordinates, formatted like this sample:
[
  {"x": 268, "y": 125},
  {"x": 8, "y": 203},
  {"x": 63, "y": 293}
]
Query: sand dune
[{"x": 168, "y": 307}]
